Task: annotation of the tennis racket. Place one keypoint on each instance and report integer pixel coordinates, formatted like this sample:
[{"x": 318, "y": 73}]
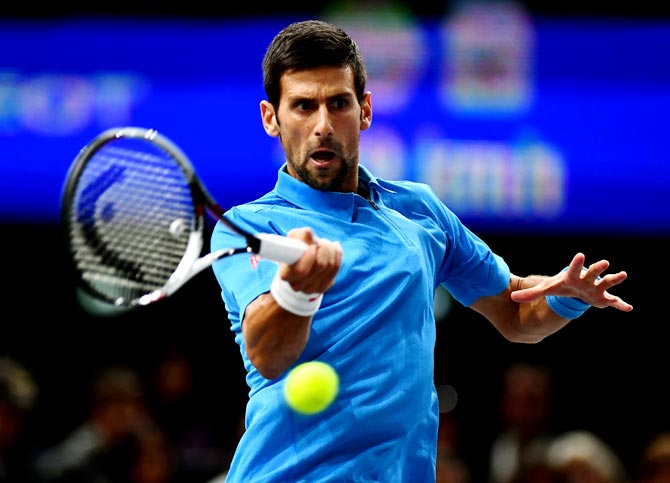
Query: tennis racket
[{"x": 133, "y": 210}]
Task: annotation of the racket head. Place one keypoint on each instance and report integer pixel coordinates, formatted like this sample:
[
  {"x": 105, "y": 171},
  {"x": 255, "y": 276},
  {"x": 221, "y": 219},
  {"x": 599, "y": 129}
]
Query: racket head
[{"x": 133, "y": 214}]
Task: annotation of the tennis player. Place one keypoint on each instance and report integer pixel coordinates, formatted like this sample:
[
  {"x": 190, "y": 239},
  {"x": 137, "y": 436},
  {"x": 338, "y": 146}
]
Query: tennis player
[{"x": 361, "y": 297}]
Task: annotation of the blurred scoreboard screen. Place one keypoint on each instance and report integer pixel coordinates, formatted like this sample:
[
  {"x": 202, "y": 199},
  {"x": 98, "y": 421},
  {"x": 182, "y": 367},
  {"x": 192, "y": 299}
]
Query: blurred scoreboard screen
[{"x": 518, "y": 123}]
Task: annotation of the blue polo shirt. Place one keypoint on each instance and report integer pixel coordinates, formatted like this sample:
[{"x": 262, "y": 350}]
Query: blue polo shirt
[{"x": 376, "y": 327}]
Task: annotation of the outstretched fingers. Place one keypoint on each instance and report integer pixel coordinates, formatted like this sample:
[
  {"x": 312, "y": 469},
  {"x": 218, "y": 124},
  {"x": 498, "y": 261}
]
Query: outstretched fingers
[
  {"x": 529, "y": 294},
  {"x": 618, "y": 303},
  {"x": 609, "y": 300},
  {"x": 586, "y": 283}
]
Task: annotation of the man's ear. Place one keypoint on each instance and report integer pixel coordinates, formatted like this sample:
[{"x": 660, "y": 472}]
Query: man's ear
[
  {"x": 366, "y": 111},
  {"x": 269, "y": 118}
]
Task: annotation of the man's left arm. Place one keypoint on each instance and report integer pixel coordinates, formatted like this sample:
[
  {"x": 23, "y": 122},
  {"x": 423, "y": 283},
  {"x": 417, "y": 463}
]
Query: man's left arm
[{"x": 534, "y": 307}]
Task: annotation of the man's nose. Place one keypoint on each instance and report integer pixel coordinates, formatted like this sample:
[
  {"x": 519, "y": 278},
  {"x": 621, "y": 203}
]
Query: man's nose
[{"x": 324, "y": 126}]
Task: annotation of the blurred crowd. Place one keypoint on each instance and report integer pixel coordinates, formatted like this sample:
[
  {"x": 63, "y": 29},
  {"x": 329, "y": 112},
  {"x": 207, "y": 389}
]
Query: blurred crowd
[
  {"x": 527, "y": 448},
  {"x": 138, "y": 427},
  {"x": 149, "y": 428}
]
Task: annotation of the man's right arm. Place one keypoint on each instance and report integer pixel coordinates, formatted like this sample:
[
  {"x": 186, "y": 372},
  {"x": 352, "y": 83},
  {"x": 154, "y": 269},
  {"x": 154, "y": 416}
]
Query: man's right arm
[{"x": 274, "y": 337}]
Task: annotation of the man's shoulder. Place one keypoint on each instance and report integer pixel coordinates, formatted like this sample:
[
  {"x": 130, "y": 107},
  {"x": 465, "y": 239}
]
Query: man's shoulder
[
  {"x": 407, "y": 190},
  {"x": 414, "y": 198},
  {"x": 267, "y": 201}
]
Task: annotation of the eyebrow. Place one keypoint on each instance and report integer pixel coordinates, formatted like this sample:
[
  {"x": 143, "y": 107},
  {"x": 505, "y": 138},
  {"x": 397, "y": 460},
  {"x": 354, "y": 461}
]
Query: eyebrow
[{"x": 302, "y": 97}]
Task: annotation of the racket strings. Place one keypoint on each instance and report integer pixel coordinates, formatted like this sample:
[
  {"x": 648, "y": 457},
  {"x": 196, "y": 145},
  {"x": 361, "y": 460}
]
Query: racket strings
[{"x": 133, "y": 219}]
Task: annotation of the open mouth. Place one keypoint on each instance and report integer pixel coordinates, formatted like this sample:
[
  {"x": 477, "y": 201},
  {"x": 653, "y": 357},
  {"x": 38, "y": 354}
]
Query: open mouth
[{"x": 323, "y": 156}]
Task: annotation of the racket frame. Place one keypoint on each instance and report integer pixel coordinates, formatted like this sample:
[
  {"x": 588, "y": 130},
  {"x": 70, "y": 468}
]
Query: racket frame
[{"x": 272, "y": 246}]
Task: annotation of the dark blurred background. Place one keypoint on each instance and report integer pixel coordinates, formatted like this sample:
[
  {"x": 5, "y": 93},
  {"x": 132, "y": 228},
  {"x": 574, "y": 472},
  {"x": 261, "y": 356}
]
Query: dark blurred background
[{"x": 541, "y": 123}]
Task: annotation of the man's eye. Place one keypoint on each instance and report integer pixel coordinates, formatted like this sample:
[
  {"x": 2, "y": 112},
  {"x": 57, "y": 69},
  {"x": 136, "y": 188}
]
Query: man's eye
[
  {"x": 303, "y": 106},
  {"x": 340, "y": 103}
]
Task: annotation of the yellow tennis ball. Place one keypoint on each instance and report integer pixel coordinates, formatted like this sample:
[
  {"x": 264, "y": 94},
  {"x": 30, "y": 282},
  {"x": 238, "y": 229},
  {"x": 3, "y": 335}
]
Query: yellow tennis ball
[{"x": 311, "y": 387}]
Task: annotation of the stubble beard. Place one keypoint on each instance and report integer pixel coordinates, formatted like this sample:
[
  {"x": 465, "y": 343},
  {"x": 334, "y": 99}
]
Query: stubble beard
[{"x": 329, "y": 181}]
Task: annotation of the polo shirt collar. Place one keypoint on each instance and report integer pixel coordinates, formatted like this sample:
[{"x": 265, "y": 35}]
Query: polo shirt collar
[{"x": 337, "y": 204}]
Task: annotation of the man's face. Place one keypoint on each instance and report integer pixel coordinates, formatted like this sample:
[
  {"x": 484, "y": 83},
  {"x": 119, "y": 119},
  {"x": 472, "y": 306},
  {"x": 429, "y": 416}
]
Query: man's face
[{"x": 319, "y": 123}]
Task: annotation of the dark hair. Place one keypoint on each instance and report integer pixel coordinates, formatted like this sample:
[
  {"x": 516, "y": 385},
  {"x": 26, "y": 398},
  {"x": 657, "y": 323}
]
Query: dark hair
[
  {"x": 17, "y": 385},
  {"x": 308, "y": 44},
  {"x": 117, "y": 383}
]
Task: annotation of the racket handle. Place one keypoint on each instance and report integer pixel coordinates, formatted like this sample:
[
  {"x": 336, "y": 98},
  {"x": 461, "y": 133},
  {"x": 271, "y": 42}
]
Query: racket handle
[{"x": 280, "y": 248}]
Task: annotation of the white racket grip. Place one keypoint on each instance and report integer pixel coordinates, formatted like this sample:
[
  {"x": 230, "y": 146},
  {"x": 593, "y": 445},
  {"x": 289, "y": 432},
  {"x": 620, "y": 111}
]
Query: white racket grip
[{"x": 280, "y": 248}]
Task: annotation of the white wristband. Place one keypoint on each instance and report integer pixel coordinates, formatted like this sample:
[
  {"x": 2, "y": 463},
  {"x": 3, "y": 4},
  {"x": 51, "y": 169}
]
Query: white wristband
[{"x": 294, "y": 301}]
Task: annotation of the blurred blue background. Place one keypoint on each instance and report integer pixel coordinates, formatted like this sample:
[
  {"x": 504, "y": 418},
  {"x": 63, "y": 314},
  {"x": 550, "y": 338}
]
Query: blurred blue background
[
  {"x": 543, "y": 126},
  {"x": 519, "y": 123}
]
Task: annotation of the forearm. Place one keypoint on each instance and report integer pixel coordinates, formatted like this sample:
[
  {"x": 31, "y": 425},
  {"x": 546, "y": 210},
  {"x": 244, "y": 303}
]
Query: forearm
[
  {"x": 277, "y": 324},
  {"x": 274, "y": 338},
  {"x": 524, "y": 322},
  {"x": 536, "y": 318}
]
